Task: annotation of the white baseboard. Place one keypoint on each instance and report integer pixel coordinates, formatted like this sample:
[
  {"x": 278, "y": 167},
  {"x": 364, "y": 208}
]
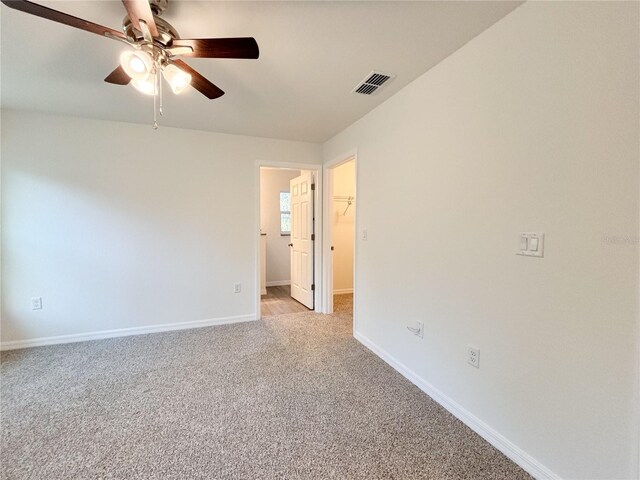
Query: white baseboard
[
  {"x": 341, "y": 291},
  {"x": 508, "y": 448},
  {"x": 278, "y": 283},
  {"x": 123, "y": 332}
]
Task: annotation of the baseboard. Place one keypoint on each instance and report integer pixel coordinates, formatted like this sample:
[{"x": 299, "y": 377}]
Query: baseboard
[
  {"x": 123, "y": 332},
  {"x": 342, "y": 291},
  {"x": 508, "y": 448},
  {"x": 278, "y": 283}
]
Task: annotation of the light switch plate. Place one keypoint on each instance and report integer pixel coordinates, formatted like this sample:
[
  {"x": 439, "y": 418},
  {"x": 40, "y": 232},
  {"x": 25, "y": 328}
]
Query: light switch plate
[{"x": 531, "y": 244}]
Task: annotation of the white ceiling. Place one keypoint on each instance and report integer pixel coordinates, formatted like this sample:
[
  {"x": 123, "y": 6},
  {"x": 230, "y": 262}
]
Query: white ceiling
[{"x": 312, "y": 54}]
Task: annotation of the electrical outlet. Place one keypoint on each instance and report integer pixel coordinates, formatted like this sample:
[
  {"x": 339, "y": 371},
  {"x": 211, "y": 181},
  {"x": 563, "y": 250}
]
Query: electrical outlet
[
  {"x": 36, "y": 303},
  {"x": 418, "y": 330},
  {"x": 364, "y": 234},
  {"x": 473, "y": 356},
  {"x": 237, "y": 287}
]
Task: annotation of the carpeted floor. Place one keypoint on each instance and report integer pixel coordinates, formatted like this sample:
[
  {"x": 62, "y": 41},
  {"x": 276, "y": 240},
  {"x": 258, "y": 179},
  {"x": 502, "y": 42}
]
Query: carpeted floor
[
  {"x": 291, "y": 396},
  {"x": 343, "y": 303}
]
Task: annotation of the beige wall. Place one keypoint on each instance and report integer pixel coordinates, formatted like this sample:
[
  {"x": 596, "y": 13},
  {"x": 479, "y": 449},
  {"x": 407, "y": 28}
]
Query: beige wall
[
  {"x": 272, "y": 182},
  {"x": 117, "y": 226},
  {"x": 531, "y": 126},
  {"x": 343, "y": 225}
]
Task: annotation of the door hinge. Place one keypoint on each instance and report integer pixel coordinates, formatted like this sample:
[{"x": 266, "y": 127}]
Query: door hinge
[
  {"x": 313, "y": 237},
  {"x": 313, "y": 286},
  {"x": 313, "y": 186}
]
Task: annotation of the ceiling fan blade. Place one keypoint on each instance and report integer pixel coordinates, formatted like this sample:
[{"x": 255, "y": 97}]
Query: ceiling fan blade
[
  {"x": 56, "y": 16},
  {"x": 198, "y": 82},
  {"x": 243, "y": 47},
  {"x": 118, "y": 77},
  {"x": 140, "y": 10}
]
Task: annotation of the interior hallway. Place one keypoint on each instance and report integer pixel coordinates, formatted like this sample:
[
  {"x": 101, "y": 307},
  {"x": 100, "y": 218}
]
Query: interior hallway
[{"x": 278, "y": 301}]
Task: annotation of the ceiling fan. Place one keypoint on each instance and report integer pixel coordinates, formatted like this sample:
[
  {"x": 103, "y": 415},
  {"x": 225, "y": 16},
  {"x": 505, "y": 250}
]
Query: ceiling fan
[{"x": 154, "y": 47}]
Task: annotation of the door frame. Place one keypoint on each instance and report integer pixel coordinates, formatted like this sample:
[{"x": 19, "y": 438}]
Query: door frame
[
  {"x": 316, "y": 170},
  {"x": 327, "y": 233}
]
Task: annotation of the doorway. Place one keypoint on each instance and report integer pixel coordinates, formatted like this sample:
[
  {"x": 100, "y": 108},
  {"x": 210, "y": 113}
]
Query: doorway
[
  {"x": 287, "y": 247},
  {"x": 340, "y": 231}
]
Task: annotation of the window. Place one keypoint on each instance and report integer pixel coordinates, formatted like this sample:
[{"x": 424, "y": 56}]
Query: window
[{"x": 285, "y": 213}]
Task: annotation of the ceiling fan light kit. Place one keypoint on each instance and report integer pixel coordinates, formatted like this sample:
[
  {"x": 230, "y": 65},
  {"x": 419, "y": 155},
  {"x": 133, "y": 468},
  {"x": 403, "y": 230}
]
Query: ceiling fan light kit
[
  {"x": 176, "y": 78},
  {"x": 143, "y": 69},
  {"x": 154, "y": 48},
  {"x": 148, "y": 86},
  {"x": 136, "y": 64}
]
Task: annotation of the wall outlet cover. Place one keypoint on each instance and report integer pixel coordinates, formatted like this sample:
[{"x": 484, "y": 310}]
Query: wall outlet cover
[
  {"x": 473, "y": 356},
  {"x": 36, "y": 303}
]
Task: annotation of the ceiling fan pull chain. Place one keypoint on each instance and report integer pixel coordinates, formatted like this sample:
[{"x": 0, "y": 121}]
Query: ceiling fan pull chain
[
  {"x": 155, "y": 118},
  {"x": 155, "y": 97},
  {"x": 160, "y": 88}
]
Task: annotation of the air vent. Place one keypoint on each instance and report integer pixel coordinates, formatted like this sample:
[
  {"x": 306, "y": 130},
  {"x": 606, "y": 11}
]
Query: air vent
[{"x": 371, "y": 83}]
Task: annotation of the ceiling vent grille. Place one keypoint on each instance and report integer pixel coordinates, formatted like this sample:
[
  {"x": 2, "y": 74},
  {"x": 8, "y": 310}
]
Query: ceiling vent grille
[{"x": 371, "y": 83}]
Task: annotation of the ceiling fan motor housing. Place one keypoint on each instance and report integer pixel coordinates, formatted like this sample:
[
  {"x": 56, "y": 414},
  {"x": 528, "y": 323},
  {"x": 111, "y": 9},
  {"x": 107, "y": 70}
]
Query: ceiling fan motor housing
[
  {"x": 166, "y": 32},
  {"x": 158, "y": 6}
]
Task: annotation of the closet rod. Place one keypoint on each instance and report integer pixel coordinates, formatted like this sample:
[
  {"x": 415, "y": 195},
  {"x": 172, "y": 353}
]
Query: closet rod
[{"x": 343, "y": 198}]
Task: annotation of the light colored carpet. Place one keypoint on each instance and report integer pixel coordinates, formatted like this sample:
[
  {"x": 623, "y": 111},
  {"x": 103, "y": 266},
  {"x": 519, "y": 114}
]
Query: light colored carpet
[{"x": 291, "y": 396}]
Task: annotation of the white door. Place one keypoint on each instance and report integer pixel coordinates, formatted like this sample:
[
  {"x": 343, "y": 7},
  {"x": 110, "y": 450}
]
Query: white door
[{"x": 301, "y": 245}]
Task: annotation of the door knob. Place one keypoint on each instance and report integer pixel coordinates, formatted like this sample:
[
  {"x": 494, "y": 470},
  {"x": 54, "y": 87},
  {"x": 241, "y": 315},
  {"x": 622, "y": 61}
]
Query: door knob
[{"x": 291, "y": 244}]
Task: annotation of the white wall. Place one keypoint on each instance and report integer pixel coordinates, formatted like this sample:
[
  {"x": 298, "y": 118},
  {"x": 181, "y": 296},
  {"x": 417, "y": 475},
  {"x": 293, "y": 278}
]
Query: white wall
[
  {"x": 344, "y": 185},
  {"x": 116, "y": 225},
  {"x": 272, "y": 182},
  {"x": 532, "y": 126}
]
